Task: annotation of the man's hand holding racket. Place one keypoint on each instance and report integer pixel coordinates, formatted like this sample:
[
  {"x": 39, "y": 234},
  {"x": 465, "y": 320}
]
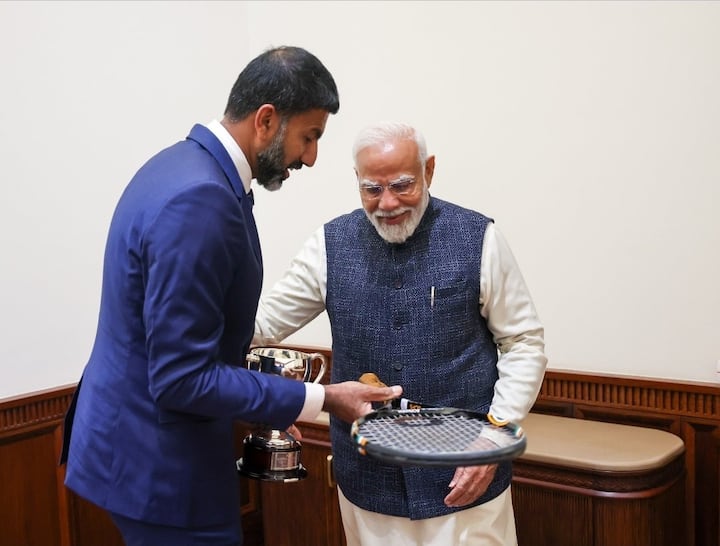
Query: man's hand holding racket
[{"x": 468, "y": 484}]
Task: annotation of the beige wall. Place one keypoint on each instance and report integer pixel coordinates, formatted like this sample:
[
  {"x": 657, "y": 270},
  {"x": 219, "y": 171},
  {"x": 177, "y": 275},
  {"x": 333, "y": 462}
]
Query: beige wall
[{"x": 589, "y": 131}]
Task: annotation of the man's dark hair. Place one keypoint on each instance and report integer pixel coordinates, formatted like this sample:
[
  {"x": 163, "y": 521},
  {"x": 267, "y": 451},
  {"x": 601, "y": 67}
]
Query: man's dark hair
[{"x": 292, "y": 79}]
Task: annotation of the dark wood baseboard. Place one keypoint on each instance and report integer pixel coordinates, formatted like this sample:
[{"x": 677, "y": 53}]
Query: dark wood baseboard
[{"x": 36, "y": 508}]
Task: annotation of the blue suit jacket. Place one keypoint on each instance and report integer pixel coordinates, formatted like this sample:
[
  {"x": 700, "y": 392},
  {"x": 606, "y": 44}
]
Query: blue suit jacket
[{"x": 149, "y": 434}]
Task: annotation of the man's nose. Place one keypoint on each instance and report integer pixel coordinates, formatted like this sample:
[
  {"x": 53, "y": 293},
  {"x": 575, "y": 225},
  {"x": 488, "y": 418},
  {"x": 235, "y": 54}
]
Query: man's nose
[
  {"x": 388, "y": 200},
  {"x": 309, "y": 155}
]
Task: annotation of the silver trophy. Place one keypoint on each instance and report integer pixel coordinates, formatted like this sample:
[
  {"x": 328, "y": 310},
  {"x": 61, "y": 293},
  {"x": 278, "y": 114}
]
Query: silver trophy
[{"x": 270, "y": 454}]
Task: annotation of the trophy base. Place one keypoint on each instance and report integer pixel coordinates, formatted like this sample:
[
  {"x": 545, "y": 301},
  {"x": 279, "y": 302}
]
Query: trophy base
[{"x": 285, "y": 476}]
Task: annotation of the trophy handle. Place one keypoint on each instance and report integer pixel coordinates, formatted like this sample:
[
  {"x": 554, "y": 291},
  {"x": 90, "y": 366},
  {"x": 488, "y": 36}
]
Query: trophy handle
[
  {"x": 323, "y": 364},
  {"x": 253, "y": 362}
]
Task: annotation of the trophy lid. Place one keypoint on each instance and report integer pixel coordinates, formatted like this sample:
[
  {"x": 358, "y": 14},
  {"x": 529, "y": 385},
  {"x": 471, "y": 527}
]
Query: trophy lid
[{"x": 274, "y": 439}]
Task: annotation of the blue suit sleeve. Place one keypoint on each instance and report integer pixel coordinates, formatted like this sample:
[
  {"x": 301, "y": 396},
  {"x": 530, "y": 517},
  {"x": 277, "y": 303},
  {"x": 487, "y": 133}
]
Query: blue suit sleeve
[{"x": 193, "y": 252}]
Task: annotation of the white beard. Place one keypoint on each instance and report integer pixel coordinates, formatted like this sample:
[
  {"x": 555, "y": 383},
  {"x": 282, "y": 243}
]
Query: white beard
[{"x": 401, "y": 232}]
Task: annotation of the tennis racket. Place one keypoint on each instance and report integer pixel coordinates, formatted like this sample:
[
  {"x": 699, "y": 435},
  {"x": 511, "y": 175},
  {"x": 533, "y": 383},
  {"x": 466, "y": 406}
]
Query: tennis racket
[{"x": 404, "y": 432}]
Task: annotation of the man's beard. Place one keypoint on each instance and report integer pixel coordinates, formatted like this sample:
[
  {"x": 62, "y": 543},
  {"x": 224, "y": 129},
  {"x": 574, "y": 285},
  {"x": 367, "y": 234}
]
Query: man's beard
[
  {"x": 271, "y": 162},
  {"x": 399, "y": 233}
]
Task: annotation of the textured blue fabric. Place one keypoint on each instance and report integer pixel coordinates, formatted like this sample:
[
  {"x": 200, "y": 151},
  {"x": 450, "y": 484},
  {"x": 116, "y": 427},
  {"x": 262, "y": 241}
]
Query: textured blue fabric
[{"x": 384, "y": 320}]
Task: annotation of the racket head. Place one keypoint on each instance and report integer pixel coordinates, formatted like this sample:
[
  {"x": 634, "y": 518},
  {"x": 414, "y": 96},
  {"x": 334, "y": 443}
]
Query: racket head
[{"x": 447, "y": 437}]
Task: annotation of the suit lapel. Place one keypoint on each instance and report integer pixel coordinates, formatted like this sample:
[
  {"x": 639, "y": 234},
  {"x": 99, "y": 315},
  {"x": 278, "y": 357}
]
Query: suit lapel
[{"x": 203, "y": 136}]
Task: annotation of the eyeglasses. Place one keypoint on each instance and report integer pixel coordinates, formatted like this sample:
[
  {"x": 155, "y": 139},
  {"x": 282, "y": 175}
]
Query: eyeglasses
[{"x": 402, "y": 186}]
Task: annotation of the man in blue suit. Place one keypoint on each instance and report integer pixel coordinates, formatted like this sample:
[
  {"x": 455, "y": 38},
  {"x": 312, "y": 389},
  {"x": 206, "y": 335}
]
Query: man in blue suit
[{"x": 149, "y": 435}]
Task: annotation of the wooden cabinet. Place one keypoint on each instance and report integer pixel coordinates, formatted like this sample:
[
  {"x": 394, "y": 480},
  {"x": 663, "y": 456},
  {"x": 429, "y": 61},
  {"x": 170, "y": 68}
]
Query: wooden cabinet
[
  {"x": 598, "y": 484},
  {"x": 307, "y": 511}
]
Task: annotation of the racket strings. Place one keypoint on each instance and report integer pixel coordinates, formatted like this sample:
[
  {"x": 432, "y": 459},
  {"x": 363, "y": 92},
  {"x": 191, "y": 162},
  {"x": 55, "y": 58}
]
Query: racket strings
[{"x": 430, "y": 433}]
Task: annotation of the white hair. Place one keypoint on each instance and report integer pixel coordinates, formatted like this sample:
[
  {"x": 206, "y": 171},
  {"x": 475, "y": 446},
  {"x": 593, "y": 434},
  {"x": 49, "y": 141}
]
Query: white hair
[{"x": 383, "y": 131}]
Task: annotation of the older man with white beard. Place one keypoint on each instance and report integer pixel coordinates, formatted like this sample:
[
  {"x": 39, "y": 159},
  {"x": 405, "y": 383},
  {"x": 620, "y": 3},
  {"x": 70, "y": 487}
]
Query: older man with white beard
[{"x": 427, "y": 295}]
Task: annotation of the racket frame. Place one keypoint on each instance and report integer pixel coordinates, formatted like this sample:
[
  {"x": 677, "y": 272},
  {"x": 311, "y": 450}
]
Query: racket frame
[{"x": 395, "y": 455}]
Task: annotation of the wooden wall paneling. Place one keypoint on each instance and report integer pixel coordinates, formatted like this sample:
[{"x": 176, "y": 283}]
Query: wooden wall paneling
[
  {"x": 30, "y": 427},
  {"x": 91, "y": 525},
  {"x": 307, "y": 511},
  {"x": 28, "y": 496},
  {"x": 705, "y": 461},
  {"x": 316, "y": 435},
  {"x": 678, "y": 407},
  {"x": 30, "y": 503},
  {"x": 667, "y": 423},
  {"x": 250, "y": 500},
  {"x": 630, "y": 522},
  {"x": 563, "y": 506},
  {"x": 36, "y": 509},
  {"x": 692, "y": 520},
  {"x": 544, "y": 520},
  {"x": 559, "y": 409},
  {"x": 699, "y": 400},
  {"x": 63, "y": 493}
]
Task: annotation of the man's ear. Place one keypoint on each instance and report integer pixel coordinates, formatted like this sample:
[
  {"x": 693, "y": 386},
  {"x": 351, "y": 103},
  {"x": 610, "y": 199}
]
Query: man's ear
[
  {"x": 429, "y": 169},
  {"x": 266, "y": 122}
]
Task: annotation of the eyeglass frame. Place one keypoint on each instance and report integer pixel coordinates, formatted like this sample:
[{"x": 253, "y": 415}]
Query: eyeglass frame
[{"x": 405, "y": 185}]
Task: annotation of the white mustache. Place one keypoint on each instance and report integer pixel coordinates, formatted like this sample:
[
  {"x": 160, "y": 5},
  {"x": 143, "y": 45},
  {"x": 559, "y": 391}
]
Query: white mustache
[{"x": 393, "y": 214}]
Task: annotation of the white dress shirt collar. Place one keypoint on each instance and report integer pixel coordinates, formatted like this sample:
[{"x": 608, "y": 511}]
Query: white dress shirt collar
[{"x": 236, "y": 154}]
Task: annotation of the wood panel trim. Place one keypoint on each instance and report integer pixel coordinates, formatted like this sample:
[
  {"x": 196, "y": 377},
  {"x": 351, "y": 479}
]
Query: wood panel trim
[
  {"x": 601, "y": 483},
  {"x": 588, "y": 492},
  {"x": 24, "y": 414},
  {"x": 687, "y": 399},
  {"x": 699, "y": 400},
  {"x": 561, "y": 388}
]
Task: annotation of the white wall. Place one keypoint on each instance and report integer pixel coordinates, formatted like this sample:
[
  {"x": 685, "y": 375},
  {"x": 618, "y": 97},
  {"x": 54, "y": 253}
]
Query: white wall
[{"x": 589, "y": 131}]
